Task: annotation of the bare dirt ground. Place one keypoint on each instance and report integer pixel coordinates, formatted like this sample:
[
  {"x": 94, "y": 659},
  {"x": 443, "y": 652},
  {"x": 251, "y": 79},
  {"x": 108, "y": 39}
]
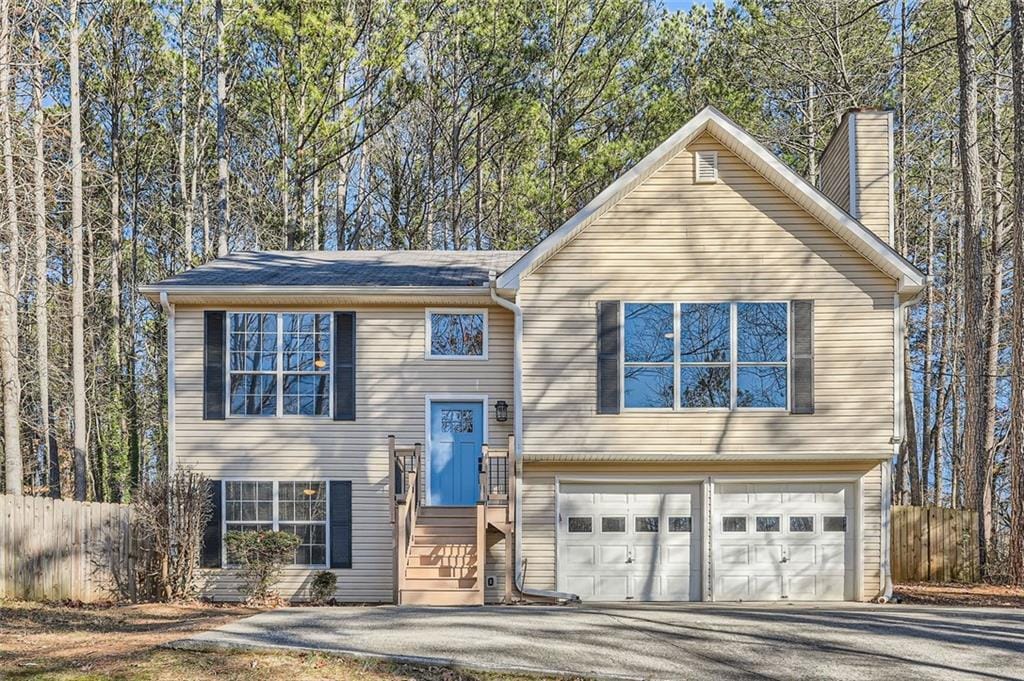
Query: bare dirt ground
[
  {"x": 64, "y": 642},
  {"x": 987, "y": 595}
]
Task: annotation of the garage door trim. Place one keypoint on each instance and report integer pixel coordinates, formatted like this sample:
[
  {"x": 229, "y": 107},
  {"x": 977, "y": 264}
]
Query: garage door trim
[
  {"x": 703, "y": 483},
  {"x": 854, "y": 478}
]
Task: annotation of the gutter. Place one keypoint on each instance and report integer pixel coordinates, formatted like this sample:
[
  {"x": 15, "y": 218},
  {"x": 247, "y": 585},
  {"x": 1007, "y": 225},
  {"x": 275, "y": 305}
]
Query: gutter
[
  {"x": 169, "y": 310},
  {"x": 517, "y": 431},
  {"x": 151, "y": 291}
]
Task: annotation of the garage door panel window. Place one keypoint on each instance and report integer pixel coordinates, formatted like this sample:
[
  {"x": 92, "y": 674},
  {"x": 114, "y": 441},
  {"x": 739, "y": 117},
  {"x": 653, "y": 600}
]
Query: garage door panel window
[
  {"x": 706, "y": 355},
  {"x": 613, "y": 524},
  {"x": 734, "y": 523},
  {"x": 801, "y": 523},
  {"x": 768, "y": 523},
  {"x": 834, "y": 523},
  {"x": 680, "y": 523},
  {"x": 645, "y": 523},
  {"x": 581, "y": 524}
]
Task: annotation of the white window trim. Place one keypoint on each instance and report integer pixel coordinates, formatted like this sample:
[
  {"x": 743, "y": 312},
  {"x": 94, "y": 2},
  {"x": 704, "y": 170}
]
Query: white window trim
[
  {"x": 224, "y": 524},
  {"x": 427, "y": 346},
  {"x": 279, "y": 372},
  {"x": 713, "y": 155},
  {"x": 733, "y": 362}
]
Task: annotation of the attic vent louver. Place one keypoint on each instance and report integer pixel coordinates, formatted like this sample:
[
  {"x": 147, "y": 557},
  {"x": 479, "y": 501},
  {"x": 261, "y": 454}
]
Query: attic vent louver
[{"x": 705, "y": 166}]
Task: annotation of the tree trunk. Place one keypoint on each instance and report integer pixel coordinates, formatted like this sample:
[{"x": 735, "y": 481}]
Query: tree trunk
[
  {"x": 994, "y": 306},
  {"x": 223, "y": 209},
  {"x": 184, "y": 197},
  {"x": 1015, "y": 452},
  {"x": 975, "y": 338},
  {"x": 926, "y": 379},
  {"x": 9, "y": 305},
  {"x": 77, "y": 265},
  {"x": 46, "y": 434}
]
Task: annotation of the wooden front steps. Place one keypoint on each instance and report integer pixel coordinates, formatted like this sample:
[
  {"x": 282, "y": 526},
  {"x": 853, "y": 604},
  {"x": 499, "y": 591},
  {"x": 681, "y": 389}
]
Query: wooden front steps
[{"x": 443, "y": 566}]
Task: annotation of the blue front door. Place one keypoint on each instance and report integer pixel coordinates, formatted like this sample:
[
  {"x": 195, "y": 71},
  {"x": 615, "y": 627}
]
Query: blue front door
[{"x": 456, "y": 436}]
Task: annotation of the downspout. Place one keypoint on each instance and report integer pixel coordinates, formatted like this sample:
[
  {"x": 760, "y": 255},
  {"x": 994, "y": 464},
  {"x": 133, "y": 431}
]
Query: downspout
[
  {"x": 517, "y": 431},
  {"x": 169, "y": 310},
  {"x": 899, "y": 429}
]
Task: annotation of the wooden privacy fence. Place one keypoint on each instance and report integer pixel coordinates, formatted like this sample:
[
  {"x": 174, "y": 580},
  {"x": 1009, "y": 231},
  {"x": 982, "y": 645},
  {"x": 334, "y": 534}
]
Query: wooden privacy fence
[
  {"x": 57, "y": 550},
  {"x": 933, "y": 544}
]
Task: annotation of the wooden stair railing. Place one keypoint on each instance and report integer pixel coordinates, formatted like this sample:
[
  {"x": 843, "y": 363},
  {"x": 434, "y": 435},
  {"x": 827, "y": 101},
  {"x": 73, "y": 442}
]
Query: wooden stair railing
[
  {"x": 404, "y": 484},
  {"x": 441, "y": 552},
  {"x": 497, "y": 503}
]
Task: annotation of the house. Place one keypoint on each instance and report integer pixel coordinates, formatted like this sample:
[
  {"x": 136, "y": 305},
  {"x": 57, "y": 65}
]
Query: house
[{"x": 692, "y": 390}]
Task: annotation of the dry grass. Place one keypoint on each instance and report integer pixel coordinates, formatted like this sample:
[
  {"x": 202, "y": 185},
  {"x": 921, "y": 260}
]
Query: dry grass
[
  {"x": 927, "y": 593},
  {"x": 49, "y": 641}
]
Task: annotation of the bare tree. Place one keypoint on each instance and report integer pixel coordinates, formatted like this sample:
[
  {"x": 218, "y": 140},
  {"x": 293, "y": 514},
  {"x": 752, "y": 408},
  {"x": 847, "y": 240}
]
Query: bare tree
[
  {"x": 77, "y": 258},
  {"x": 1016, "y": 437},
  {"x": 223, "y": 209},
  {"x": 41, "y": 265},
  {"x": 975, "y": 338},
  {"x": 9, "y": 304}
]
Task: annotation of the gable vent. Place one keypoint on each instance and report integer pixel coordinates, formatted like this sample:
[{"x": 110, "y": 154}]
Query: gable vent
[{"x": 705, "y": 166}]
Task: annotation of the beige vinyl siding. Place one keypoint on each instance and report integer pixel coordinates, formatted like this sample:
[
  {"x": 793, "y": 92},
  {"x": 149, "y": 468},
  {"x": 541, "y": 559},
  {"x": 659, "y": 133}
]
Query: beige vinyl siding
[
  {"x": 874, "y": 176},
  {"x": 738, "y": 240},
  {"x": 871, "y": 490},
  {"x": 834, "y": 167},
  {"x": 392, "y": 381},
  {"x": 540, "y": 515}
]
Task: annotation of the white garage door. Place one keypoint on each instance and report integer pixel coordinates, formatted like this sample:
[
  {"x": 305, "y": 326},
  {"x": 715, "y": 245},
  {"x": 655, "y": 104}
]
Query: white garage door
[
  {"x": 622, "y": 541},
  {"x": 789, "y": 541}
]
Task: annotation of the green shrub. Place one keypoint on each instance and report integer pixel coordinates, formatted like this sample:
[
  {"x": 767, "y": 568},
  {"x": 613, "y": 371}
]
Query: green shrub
[
  {"x": 260, "y": 557},
  {"x": 321, "y": 589}
]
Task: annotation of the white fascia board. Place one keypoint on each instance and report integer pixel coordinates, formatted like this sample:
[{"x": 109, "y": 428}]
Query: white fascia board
[{"x": 859, "y": 237}]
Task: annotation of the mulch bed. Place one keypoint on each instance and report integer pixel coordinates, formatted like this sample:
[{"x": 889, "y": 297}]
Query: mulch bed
[{"x": 987, "y": 595}]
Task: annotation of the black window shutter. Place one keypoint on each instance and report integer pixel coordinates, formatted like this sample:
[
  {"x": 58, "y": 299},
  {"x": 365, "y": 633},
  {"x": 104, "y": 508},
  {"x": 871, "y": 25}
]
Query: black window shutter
[
  {"x": 214, "y": 336},
  {"x": 341, "y": 524},
  {"x": 608, "y": 357},
  {"x": 210, "y": 557},
  {"x": 802, "y": 359},
  {"x": 344, "y": 366}
]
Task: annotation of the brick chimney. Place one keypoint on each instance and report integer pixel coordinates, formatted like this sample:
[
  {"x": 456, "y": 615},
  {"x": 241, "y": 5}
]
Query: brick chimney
[{"x": 856, "y": 169}]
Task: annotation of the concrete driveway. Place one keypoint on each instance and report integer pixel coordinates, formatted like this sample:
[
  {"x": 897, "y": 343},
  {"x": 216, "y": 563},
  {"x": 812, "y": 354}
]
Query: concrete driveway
[{"x": 846, "y": 641}]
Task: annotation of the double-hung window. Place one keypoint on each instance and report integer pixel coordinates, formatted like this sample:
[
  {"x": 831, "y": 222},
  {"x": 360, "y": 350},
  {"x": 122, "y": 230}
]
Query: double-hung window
[
  {"x": 297, "y": 507},
  {"x": 280, "y": 363},
  {"x": 706, "y": 355}
]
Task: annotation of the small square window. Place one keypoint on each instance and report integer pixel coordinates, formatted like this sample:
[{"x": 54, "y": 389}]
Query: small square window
[
  {"x": 680, "y": 523},
  {"x": 457, "y": 334},
  {"x": 834, "y": 523},
  {"x": 801, "y": 523},
  {"x": 768, "y": 523},
  {"x": 646, "y": 523},
  {"x": 615, "y": 523},
  {"x": 581, "y": 524},
  {"x": 734, "y": 523}
]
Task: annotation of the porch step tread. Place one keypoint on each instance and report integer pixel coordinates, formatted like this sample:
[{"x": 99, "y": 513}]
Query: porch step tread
[
  {"x": 439, "y": 583},
  {"x": 440, "y": 560},
  {"x": 445, "y": 571}
]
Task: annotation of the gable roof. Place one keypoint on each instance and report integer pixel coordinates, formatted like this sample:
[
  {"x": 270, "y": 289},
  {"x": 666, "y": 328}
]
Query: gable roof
[
  {"x": 910, "y": 279},
  {"x": 342, "y": 269}
]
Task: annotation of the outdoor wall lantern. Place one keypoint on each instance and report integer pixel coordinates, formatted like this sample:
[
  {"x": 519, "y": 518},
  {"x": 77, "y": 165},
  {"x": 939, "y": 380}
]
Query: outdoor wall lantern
[{"x": 501, "y": 411}]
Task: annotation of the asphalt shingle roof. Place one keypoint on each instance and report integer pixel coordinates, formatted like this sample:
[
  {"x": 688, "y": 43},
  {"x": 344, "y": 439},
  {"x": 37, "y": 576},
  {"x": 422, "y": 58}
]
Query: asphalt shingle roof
[{"x": 347, "y": 268}]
